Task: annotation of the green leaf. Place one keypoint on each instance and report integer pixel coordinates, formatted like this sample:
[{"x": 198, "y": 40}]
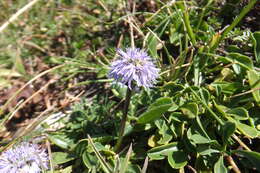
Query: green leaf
[
  {"x": 244, "y": 128},
  {"x": 198, "y": 139},
  {"x": 201, "y": 128},
  {"x": 227, "y": 87},
  {"x": 239, "y": 113},
  {"x": 161, "y": 101},
  {"x": 253, "y": 157},
  {"x": 105, "y": 165},
  {"x": 18, "y": 63},
  {"x": 61, "y": 157},
  {"x": 173, "y": 108},
  {"x": 190, "y": 110},
  {"x": 228, "y": 129},
  {"x": 256, "y": 42},
  {"x": 219, "y": 166},
  {"x": 177, "y": 159},
  {"x": 124, "y": 166},
  {"x": 155, "y": 111},
  {"x": 247, "y": 130},
  {"x": 63, "y": 170},
  {"x": 159, "y": 153},
  {"x": 59, "y": 141},
  {"x": 204, "y": 94},
  {"x": 254, "y": 81},
  {"x": 242, "y": 60},
  {"x": 89, "y": 160},
  {"x": 164, "y": 131},
  {"x": 206, "y": 150},
  {"x": 173, "y": 87},
  {"x": 133, "y": 168},
  {"x": 152, "y": 46}
]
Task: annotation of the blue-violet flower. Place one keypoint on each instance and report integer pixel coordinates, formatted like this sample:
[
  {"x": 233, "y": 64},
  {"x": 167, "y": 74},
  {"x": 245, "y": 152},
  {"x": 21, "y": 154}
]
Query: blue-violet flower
[
  {"x": 24, "y": 158},
  {"x": 134, "y": 65}
]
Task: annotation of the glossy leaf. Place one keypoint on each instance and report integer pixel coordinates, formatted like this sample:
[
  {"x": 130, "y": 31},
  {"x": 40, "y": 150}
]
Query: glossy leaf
[
  {"x": 190, "y": 110},
  {"x": 227, "y": 87},
  {"x": 253, "y": 157},
  {"x": 247, "y": 130},
  {"x": 89, "y": 160},
  {"x": 159, "y": 153},
  {"x": 219, "y": 166},
  {"x": 177, "y": 159},
  {"x": 254, "y": 81},
  {"x": 242, "y": 60},
  {"x": 256, "y": 42},
  {"x": 161, "y": 101},
  {"x": 199, "y": 139},
  {"x": 204, "y": 94},
  {"x": 59, "y": 141},
  {"x": 61, "y": 157},
  {"x": 228, "y": 129},
  {"x": 239, "y": 113},
  {"x": 206, "y": 150},
  {"x": 155, "y": 111},
  {"x": 244, "y": 128},
  {"x": 164, "y": 132}
]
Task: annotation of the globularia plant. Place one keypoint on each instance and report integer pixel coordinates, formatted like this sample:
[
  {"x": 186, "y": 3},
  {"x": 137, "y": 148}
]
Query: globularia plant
[
  {"x": 134, "y": 67},
  {"x": 25, "y": 157}
]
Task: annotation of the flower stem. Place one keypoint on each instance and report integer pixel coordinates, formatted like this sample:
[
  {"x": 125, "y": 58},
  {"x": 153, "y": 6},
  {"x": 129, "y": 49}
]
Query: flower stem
[{"x": 124, "y": 119}]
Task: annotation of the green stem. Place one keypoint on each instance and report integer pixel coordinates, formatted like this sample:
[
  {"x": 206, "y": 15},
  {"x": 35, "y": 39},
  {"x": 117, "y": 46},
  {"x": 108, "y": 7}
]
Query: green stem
[
  {"x": 124, "y": 119},
  {"x": 219, "y": 120},
  {"x": 245, "y": 10},
  {"x": 208, "y": 108},
  {"x": 188, "y": 27},
  {"x": 203, "y": 14},
  {"x": 186, "y": 20}
]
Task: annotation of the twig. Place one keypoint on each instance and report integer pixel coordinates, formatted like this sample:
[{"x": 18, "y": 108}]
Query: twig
[
  {"x": 244, "y": 93},
  {"x": 145, "y": 164},
  {"x": 17, "y": 14},
  {"x": 191, "y": 168},
  {"x": 233, "y": 164},
  {"x": 50, "y": 155},
  {"x": 241, "y": 143}
]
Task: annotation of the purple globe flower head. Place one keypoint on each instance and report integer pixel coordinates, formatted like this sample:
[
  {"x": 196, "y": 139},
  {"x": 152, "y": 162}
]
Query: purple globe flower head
[
  {"x": 24, "y": 158},
  {"x": 134, "y": 67}
]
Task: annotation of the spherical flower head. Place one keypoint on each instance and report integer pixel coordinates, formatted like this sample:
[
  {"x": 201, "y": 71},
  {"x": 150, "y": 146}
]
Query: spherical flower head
[
  {"x": 134, "y": 67},
  {"x": 24, "y": 158}
]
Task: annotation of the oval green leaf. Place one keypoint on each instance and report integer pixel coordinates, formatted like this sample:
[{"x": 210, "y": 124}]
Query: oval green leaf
[
  {"x": 177, "y": 159},
  {"x": 159, "y": 153},
  {"x": 219, "y": 166},
  {"x": 61, "y": 157},
  {"x": 254, "y": 81},
  {"x": 155, "y": 111},
  {"x": 190, "y": 110},
  {"x": 239, "y": 113},
  {"x": 228, "y": 129}
]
